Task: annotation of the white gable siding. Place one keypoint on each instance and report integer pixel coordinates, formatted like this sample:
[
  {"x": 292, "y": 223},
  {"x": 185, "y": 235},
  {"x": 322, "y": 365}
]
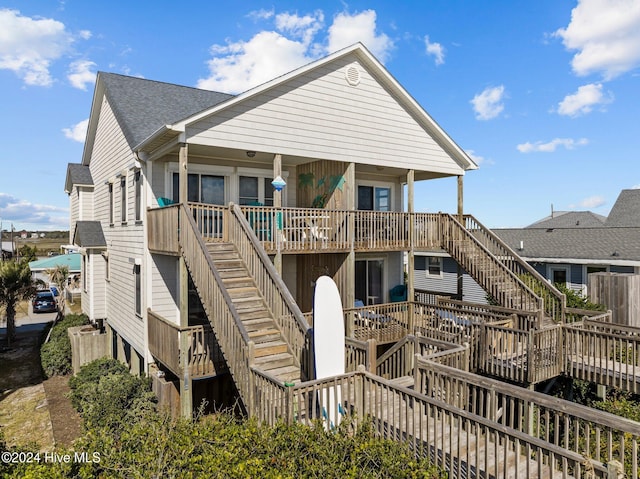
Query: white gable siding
[
  {"x": 111, "y": 155},
  {"x": 319, "y": 115}
]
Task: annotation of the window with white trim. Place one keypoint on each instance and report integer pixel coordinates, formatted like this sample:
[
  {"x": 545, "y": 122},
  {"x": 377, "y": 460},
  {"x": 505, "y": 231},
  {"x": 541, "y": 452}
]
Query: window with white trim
[
  {"x": 433, "y": 266},
  {"x": 201, "y": 188},
  {"x": 255, "y": 189},
  {"x": 123, "y": 200},
  {"x": 137, "y": 182},
  {"x": 138, "y": 288},
  {"x": 110, "y": 203}
]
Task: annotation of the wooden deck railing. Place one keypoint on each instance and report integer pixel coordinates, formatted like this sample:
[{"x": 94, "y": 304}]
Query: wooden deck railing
[
  {"x": 453, "y": 438},
  {"x": 278, "y": 299},
  {"x": 162, "y": 230},
  {"x": 594, "y": 434},
  {"x": 203, "y": 356},
  {"x": 554, "y": 301},
  {"x": 604, "y": 353}
]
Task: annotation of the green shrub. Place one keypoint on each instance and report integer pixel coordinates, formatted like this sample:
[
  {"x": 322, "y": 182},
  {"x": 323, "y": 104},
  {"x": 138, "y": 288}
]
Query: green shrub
[
  {"x": 89, "y": 376},
  {"x": 107, "y": 395},
  {"x": 55, "y": 356},
  {"x": 222, "y": 446}
]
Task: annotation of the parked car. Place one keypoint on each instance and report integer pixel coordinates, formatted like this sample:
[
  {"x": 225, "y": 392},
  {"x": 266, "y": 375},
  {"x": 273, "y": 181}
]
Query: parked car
[{"x": 44, "y": 302}]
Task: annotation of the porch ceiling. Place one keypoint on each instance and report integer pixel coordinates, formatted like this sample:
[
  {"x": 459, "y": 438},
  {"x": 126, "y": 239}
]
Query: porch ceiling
[{"x": 207, "y": 153}]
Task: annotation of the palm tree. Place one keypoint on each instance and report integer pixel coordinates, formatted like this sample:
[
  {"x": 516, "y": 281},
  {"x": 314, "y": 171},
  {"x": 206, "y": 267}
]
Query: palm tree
[
  {"x": 58, "y": 276},
  {"x": 16, "y": 284}
]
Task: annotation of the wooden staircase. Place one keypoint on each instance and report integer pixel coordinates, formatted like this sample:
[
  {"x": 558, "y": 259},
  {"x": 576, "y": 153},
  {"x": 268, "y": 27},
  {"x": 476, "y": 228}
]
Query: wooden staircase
[
  {"x": 271, "y": 352},
  {"x": 510, "y": 280}
]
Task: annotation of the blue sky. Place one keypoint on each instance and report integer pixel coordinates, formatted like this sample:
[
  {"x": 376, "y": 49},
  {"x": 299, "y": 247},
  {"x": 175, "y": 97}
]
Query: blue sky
[{"x": 543, "y": 94}]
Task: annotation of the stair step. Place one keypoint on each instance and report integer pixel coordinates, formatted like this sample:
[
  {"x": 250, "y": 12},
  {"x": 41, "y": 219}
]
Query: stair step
[
  {"x": 258, "y": 313},
  {"x": 221, "y": 248},
  {"x": 242, "y": 282},
  {"x": 257, "y": 324},
  {"x": 233, "y": 273},
  {"x": 269, "y": 348},
  {"x": 244, "y": 292},
  {"x": 263, "y": 335},
  {"x": 286, "y": 373},
  {"x": 228, "y": 264},
  {"x": 275, "y": 361},
  {"x": 253, "y": 303}
]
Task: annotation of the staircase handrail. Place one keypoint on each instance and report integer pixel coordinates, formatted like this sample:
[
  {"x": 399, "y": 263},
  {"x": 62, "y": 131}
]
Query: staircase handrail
[
  {"x": 303, "y": 329},
  {"x": 271, "y": 269},
  {"x": 233, "y": 337},
  {"x": 526, "y": 268},
  {"x": 514, "y": 277}
]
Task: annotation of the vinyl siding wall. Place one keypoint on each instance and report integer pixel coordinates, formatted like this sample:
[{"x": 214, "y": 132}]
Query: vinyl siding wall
[
  {"x": 447, "y": 282},
  {"x": 111, "y": 155},
  {"x": 319, "y": 115},
  {"x": 74, "y": 212},
  {"x": 164, "y": 287}
]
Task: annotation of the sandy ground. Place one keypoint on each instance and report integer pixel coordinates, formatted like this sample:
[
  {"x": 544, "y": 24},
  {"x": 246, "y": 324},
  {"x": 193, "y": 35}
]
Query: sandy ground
[{"x": 27, "y": 403}]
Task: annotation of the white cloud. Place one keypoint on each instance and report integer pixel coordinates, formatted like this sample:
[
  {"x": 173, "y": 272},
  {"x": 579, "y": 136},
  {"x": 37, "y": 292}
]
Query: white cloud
[
  {"x": 80, "y": 74},
  {"x": 479, "y": 160},
  {"x": 28, "y": 46},
  {"x": 435, "y": 50},
  {"x": 590, "y": 202},
  {"x": 303, "y": 28},
  {"x": 77, "y": 132},
  {"x": 239, "y": 66},
  {"x": 261, "y": 14},
  {"x": 583, "y": 101},
  {"x": 361, "y": 27},
  {"x": 489, "y": 104},
  {"x": 21, "y": 212},
  {"x": 606, "y": 35},
  {"x": 551, "y": 146}
]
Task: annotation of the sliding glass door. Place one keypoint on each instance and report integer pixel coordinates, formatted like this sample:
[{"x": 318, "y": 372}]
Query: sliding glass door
[{"x": 370, "y": 281}]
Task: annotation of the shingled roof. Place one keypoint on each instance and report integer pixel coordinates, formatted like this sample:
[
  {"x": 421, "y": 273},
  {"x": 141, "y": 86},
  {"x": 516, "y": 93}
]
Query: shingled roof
[
  {"x": 77, "y": 175},
  {"x": 570, "y": 219},
  {"x": 143, "y": 106},
  {"x": 610, "y": 244},
  {"x": 626, "y": 210},
  {"x": 89, "y": 234}
]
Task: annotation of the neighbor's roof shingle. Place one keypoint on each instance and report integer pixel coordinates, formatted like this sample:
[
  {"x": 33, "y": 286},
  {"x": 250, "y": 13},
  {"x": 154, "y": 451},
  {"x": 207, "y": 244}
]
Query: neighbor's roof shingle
[
  {"x": 574, "y": 243},
  {"x": 143, "y": 106},
  {"x": 570, "y": 219},
  {"x": 626, "y": 210}
]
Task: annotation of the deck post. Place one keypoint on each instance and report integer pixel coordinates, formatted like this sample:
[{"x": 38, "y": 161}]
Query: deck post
[
  {"x": 350, "y": 204},
  {"x": 372, "y": 355},
  {"x": 277, "y": 204},
  {"x": 411, "y": 254},
  {"x": 186, "y": 396},
  {"x": 460, "y": 271}
]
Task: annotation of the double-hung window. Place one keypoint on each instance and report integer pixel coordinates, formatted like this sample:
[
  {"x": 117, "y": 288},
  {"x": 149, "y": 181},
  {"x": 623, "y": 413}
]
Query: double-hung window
[{"x": 111, "y": 203}]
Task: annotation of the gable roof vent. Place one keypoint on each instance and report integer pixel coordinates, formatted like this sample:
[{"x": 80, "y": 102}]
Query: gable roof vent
[{"x": 352, "y": 75}]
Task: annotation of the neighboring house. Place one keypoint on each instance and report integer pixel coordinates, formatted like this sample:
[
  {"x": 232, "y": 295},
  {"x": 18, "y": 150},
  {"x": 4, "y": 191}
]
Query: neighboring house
[
  {"x": 343, "y": 134},
  {"x": 564, "y": 247},
  {"x": 40, "y": 267}
]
